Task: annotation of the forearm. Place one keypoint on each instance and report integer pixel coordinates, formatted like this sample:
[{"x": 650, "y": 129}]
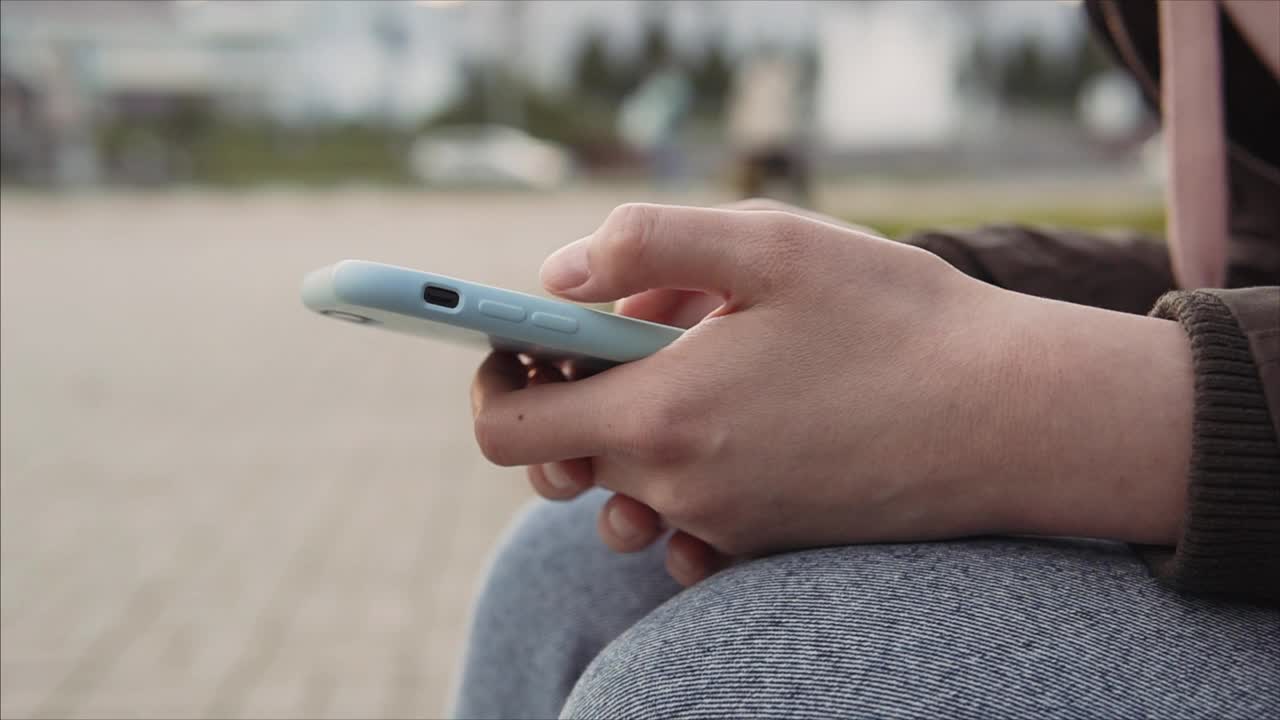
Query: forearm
[{"x": 1097, "y": 423}]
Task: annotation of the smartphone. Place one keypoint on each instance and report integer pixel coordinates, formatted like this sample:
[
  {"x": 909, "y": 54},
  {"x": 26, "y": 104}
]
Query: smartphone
[{"x": 438, "y": 306}]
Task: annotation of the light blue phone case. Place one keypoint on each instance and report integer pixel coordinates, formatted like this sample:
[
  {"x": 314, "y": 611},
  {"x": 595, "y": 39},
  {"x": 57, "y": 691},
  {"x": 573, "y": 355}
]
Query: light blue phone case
[{"x": 422, "y": 303}]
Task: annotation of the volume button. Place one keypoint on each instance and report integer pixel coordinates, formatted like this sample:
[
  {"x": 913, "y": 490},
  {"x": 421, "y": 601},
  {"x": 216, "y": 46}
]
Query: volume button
[
  {"x": 502, "y": 311},
  {"x": 554, "y": 322}
]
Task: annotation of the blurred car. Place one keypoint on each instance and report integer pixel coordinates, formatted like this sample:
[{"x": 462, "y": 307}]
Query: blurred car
[{"x": 489, "y": 156}]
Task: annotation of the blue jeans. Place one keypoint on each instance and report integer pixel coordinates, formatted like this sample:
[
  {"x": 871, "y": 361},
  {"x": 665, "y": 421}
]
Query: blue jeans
[{"x": 987, "y": 628}]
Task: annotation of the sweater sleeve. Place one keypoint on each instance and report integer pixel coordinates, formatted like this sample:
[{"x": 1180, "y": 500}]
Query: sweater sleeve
[
  {"x": 1230, "y": 540},
  {"x": 1123, "y": 271}
]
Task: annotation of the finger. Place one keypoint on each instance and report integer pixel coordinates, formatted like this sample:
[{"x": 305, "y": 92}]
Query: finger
[
  {"x": 758, "y": 204},
  {"x": 627, "y": 525},
  {"x": 541, "y": 372},
  {"x": 563, "y": 480},
  {"x": 653, "y": 305},
  {"x": 641, "y": 247},
  {"x": 680, "y": 308},
  {"x": 580, "y": 370},
  {"x": 547, "y": 422},
  {"x": 690, "y": 560},
  {"x": 499, "y": 373}
]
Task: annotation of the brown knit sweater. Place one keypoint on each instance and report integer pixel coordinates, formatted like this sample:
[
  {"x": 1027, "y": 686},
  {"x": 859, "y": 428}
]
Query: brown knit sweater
[{"x": 1231, "y": 536}]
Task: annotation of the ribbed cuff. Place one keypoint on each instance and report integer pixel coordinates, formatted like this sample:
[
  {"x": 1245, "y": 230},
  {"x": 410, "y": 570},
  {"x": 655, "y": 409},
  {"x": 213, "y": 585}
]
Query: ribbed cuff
[{"x": 1230, "y": 541}]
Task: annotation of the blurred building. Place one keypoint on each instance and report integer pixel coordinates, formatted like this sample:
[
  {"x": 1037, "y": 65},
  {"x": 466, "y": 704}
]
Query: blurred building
[
  {"x": 80, "y": 64},
  {"x": 886, "y": 93}
]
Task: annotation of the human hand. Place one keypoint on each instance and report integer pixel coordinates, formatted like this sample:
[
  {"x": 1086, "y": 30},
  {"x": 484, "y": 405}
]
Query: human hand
[
  {"x": 848, "y": 389},
  {"x": 626, "y": 524}
]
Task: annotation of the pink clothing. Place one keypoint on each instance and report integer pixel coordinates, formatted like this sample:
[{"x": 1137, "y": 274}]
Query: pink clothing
[{"x": 1192, "y": 105}]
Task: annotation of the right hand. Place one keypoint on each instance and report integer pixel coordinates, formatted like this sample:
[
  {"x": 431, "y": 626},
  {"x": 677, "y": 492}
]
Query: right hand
[
  {"x": 978, "y": 410},
  {"x": 626, "y": 524}
]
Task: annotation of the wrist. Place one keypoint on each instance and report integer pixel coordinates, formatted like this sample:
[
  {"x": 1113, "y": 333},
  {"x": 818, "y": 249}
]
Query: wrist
[{"x": 1097, "y": 409}]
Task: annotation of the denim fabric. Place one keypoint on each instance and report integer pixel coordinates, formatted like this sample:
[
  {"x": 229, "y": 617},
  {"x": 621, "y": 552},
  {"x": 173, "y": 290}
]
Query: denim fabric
[
  {"x": 988, "y": 628},
  {"x": 553, "y": 598}
]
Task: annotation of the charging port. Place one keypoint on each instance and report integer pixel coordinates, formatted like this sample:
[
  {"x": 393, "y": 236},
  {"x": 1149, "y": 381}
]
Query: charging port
[{"x": 444, "y": 297}]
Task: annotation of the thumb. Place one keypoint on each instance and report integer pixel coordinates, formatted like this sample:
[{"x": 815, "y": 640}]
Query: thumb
[{"x": 642, "y": 247}]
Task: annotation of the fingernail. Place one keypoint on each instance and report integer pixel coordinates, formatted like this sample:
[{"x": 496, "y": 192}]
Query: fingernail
[
  {"x": 622, "y": 525},
  {"x": 557, "y": 476},
  {"x": 567, "y": 267}
]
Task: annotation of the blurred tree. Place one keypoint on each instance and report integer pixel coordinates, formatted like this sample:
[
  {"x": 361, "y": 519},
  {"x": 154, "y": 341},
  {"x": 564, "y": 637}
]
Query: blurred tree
[
  {"x": 468, "y": 105},
  {"x": 585, "y": 127},
  {"x": 1026, "y": 74},
  {"x": 712, "y": 77},
  {"x": 1027, "y": 77},
  {"x": 595, "y": 74},
  {"x": 655, "y": 47},
  {"x": 655, "y": 52},
  {"x": 1088, "y": 59},
  {"x": 598, "y": 76}
]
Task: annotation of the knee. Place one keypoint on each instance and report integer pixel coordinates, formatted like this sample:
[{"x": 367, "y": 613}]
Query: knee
[
  {"x": 1035, "y": 628},
  {"x": 699, "y": 653},
  {"x": 788, "y": 634}
]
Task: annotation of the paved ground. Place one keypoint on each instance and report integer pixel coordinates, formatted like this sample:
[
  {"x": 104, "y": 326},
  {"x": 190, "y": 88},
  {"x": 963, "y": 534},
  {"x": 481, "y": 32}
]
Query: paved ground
[{"x": 218, "y": 505}]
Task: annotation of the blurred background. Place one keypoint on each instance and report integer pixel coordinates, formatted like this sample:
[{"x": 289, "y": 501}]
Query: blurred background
[{"x": 218, "y": 505}]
